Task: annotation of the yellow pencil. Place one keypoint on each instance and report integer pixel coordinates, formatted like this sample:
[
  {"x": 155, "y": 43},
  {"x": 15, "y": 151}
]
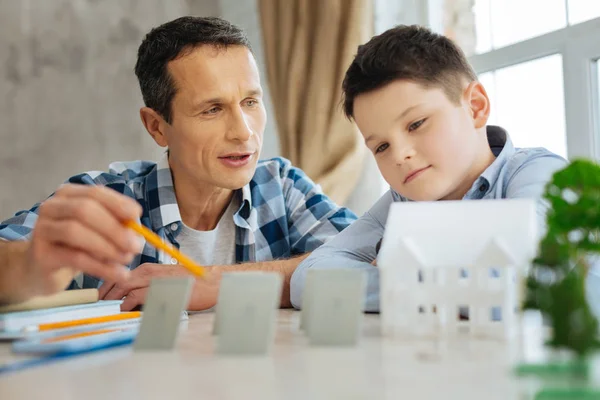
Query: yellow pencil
[
  {"x": 78, "y": 335},
  {"x": 86, "y": 321},
  {"x": 157, "y": 242}
]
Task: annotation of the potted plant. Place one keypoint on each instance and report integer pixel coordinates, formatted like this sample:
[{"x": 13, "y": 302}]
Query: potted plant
[{"x": 555, "y": 284}]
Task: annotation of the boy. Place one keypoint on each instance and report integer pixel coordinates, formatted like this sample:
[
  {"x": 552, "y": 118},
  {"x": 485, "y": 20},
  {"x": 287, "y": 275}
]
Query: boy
[{"x": 423, "y": 115}]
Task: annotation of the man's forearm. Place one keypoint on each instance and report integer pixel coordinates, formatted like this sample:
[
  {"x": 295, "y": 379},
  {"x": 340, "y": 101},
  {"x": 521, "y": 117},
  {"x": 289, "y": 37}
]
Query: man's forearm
[
  {"x": 19, "y": 280},
  {"x": 284, "y": 267},
  {"x": 13, "y": 272}
]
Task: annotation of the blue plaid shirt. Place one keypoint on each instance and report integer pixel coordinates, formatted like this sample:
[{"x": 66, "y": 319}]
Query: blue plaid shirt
[{"x": 282, "y": 213}]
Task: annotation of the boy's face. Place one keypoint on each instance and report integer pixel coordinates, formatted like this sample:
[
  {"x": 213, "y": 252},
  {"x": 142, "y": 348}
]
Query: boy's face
[{"x": 426, "y": 147}]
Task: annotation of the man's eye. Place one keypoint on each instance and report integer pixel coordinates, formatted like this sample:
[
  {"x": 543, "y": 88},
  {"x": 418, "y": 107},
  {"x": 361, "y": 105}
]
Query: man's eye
[
  {"x": 213, "y": 110},
  {"x": 381, "y": 148},
  {"x": 416, "y": 125}
]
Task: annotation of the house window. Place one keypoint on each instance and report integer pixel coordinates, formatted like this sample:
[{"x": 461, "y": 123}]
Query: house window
[
  {"x": 463, "y": 313},
  {"x": 496, "y": 314},
  {"x": 495, "y": 272}
]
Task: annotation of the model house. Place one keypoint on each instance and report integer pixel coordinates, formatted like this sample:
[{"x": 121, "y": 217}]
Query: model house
[{"x": 455, "y": 267}]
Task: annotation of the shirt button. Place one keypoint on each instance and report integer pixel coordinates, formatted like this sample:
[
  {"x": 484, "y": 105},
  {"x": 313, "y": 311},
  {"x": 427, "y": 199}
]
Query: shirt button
[
  {"x": 482, "y": 188},
  {"x": 174, "y": 227},
  {"x": 173, "y": 261}
]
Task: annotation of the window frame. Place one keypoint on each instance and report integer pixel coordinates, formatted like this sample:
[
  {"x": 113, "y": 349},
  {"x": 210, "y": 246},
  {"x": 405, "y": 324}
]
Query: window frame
[
  {"x": 579, "y": 50},
  {"x": 576, "y": 43}
]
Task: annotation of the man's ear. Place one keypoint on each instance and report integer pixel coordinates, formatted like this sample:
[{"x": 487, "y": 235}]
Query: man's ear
[
  {"x": 479, "y": 104},
  {"x": 155, "y": 125}
]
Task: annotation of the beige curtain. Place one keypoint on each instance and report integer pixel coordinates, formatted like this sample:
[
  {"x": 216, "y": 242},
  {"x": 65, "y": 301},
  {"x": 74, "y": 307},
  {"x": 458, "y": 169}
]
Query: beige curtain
[{"x": 309, "y": 44}]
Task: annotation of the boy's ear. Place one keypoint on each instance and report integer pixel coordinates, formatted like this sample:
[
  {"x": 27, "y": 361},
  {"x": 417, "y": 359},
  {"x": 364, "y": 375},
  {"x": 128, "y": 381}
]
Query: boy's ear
[
  {"x": 155, "y": 125},
  {"x": 478, "y": 103}
]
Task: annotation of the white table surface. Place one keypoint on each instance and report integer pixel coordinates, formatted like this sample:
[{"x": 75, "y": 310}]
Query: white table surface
[{"x": 378, "y": 368}]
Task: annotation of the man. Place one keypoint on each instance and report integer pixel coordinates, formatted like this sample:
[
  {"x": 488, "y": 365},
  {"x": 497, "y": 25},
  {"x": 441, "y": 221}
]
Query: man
[{"x": 209, "y": 195}]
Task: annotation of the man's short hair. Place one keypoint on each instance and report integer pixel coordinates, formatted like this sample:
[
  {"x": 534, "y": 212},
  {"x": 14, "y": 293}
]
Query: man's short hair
[
  {"x": 411, "y": 53},
  {"x": 172, "y": 40}
]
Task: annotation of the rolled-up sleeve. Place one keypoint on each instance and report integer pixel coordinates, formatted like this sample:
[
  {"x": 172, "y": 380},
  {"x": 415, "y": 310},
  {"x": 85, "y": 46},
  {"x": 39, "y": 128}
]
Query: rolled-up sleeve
[{"x": 20, "y": 226}]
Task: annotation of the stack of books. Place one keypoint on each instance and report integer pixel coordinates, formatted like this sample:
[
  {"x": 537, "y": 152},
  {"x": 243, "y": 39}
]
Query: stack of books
[
  {"x": 69, "y": 320},
  {"x": 64, "y": 306}
]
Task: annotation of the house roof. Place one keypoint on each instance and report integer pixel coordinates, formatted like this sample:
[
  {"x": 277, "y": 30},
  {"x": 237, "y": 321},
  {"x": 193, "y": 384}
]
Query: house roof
[{"x": 458, "y": 232}]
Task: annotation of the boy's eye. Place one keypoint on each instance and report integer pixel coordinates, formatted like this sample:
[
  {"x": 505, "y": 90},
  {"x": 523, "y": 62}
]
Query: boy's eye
[
  {"x": 416, "y": 125},
  {"x": 381, "y": 148}
]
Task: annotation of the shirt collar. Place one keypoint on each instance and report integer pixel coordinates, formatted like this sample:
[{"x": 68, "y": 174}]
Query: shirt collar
[
  {"x": 503, "y": 148},
  {"x": 160, "y": 196},
  {"x": 162, "y": 202},
  {"x": 246, "y": 199}
]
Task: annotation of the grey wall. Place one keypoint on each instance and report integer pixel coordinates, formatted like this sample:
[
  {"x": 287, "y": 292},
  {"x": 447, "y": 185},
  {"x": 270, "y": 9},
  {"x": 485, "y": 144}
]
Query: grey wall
[{"x": 69, "y": 99}]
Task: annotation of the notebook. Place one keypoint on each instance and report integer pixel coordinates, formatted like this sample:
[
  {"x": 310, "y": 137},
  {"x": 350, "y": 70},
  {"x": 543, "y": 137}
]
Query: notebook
[
  {"x": 64, "y": 298},
  {"x": 90, "y": 341},
  {"x": 16, "y": 321},
  {"x": 67, "y": 349}
]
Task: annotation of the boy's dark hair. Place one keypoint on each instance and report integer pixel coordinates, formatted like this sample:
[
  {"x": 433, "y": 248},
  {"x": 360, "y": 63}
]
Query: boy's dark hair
[
  {"x": 411, "y": 53},
  {"x": 170, "y": 41}
]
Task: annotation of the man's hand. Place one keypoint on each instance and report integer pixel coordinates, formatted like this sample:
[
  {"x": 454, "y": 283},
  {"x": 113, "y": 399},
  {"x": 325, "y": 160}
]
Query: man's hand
[
  {"x": 135, "y": 288},
  {"x": 205, "y": 291},
  {"x": 80, "y": 227}
]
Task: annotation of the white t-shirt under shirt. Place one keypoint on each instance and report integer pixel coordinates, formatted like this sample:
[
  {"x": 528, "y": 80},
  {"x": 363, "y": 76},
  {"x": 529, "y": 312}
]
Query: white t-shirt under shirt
[{"x": 216, "y": 247}]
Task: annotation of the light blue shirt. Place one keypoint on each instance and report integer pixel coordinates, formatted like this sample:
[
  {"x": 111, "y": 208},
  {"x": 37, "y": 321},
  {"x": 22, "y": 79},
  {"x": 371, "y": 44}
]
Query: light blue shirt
[{"x": 516, "y": 173}]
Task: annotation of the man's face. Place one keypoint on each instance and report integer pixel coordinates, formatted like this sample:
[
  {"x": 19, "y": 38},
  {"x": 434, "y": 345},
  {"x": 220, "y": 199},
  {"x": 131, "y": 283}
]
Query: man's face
[
  {"x": 424, "y": 144},
  {"x": 218, "y": 117}
]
